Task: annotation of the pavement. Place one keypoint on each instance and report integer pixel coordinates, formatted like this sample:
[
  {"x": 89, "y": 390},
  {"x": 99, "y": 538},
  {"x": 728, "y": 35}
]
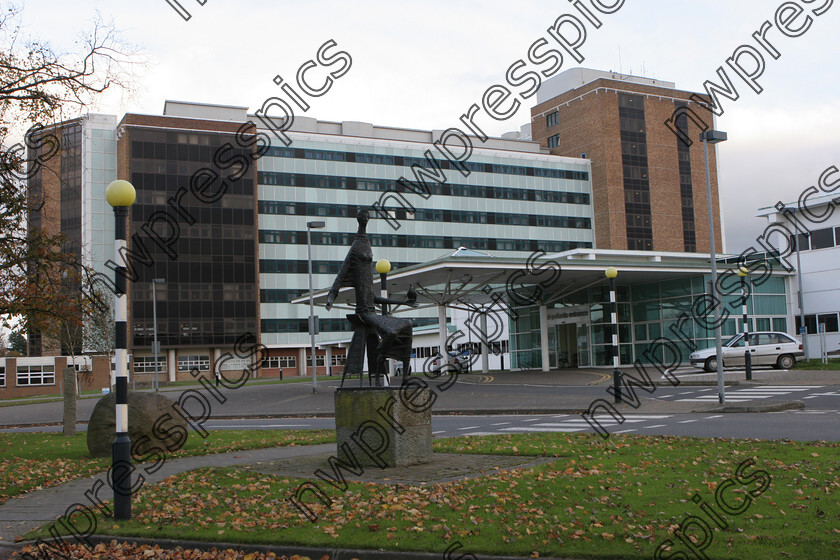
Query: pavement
[{"x": 21, "y": 514}]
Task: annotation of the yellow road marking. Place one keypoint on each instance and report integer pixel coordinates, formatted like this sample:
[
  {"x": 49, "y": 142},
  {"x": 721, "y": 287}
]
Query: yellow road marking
[{"x": 601, "y": 377}]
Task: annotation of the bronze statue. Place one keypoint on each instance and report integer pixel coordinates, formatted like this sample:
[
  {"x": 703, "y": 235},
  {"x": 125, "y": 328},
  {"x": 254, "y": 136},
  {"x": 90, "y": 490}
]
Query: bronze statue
[{"x": 384, "y": 336}]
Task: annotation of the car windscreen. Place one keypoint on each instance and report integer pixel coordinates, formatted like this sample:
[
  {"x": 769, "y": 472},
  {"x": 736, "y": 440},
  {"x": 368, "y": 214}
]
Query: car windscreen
[{"x": 735, "y": 341}]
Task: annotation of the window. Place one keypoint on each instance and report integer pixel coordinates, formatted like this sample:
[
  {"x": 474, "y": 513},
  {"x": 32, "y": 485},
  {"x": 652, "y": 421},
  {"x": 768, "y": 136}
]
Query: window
[
  {"x": 551, "y": 119},
  {"x": 822, "y": 238},
  {"x": 189, "y": 363},
  {"x": 554, "y": 141},
  {"x": 146, "y": 364},
  {"x": 2, "y": 376},
  {"x": 810, "y": 323},
  {"x": 830, "y": 322},
  {"x": 319, "y": 361},
  {"x": 277, "y": 362},
  {"x": 35, "y": 375},
  {"x": 804, "y": 242},
  {"x": 338, "y": 360}
]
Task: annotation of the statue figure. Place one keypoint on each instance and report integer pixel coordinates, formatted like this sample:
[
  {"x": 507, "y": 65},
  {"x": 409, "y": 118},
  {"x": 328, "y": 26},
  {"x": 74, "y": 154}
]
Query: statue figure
[{"x": 384, "y": 336}]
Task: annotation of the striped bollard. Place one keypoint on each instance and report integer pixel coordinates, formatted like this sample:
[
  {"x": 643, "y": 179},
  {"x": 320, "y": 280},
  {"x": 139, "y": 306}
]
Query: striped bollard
[
  {"x": 611, "y": 273},
  {"x": 742, "y": 272},
  {"x": 120, "y": 195}
]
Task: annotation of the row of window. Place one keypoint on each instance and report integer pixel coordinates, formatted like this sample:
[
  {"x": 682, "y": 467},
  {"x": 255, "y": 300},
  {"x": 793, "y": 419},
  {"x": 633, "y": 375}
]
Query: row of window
[
  {"x": 827, "y": 320},
  {"x": 422, "y": 242},
  {"x": 335, "y": 360},
  {"x": 201, "y": 362},
  {"x": 146, "y": 364},
  {"x": 170, "y": 177},
  {"x": 686, "y": 187},
  {"x": 818, "y": 239},
  {"x": 284, "y": 266},
  {"x": 402, "y": 161},
  {"x": 634, "y": 141},
  {"x": 278, "y": 362},
  {"x": 273, "y": 326},
  {"x": 426, "y": 215},
  {"x": 439, "y": 189},
  {"x": 28, "y": 376}
]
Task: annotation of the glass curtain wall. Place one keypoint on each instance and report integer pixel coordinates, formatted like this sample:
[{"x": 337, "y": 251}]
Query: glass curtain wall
[{"x": 647, "y": 312}]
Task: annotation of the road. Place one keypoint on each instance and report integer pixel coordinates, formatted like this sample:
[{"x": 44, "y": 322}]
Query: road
[
  {"x": 524, "y": 401},
  {"x": 819, "y": 421}
]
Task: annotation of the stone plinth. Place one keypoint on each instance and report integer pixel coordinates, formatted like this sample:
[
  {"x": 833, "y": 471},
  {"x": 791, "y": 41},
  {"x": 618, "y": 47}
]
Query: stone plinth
[{"x": 384, "y": 426}]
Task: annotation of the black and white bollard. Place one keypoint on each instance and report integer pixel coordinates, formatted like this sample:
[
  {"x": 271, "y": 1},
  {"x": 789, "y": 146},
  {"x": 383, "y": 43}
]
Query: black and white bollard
[
  {"x": 742, "y": 272},
  {"x": 611, "y": 273},
  {"x": 120, "y": 195}
]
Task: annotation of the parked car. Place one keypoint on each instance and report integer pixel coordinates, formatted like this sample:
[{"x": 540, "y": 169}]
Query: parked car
[
  {"x": 770, "y": 348},
  {"x": 461, "y": 360}
]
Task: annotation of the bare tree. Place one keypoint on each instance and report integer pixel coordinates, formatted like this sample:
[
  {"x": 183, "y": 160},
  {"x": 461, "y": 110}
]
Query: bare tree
[{"x": 40, "y": 86}]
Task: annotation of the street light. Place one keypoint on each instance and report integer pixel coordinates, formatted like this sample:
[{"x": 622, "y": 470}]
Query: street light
[
  {"x": 120, "y": 195},
  {"x": 743, "y": 272},
  {"x": 313, "y": 321},
  {"x": 803, "y": 330},
  {"x": 611, "y": 273},
  {"x": 383, "y": 267},
  {"x": 713, "y": 137},
  {"x": 156, "y": 344}
]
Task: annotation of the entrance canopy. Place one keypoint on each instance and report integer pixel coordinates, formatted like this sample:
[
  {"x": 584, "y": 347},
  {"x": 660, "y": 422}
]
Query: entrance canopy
[
  {"x": 463, "y": 280},
  {"x": 470, "y": 281}
]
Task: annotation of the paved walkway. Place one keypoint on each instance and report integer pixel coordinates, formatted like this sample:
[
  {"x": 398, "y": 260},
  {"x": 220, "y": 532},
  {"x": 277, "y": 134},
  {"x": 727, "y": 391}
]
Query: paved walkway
[{"x": 24, "y": 513}]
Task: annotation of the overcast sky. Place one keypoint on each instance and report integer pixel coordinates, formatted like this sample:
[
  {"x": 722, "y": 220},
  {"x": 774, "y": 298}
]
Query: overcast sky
[{"x": 421, "y": 64}]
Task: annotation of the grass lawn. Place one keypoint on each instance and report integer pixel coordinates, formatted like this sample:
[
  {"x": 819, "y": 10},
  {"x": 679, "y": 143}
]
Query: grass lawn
[
  {"x": 616, "y": 499},
  {"x": 35, "y": 460},
  {"x": 833, "y": 364}
]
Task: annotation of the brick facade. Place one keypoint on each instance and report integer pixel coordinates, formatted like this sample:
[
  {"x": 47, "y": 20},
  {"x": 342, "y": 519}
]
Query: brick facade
[
  {"x": 588, "y": 122},
  {"x": 99, "y": 378}
]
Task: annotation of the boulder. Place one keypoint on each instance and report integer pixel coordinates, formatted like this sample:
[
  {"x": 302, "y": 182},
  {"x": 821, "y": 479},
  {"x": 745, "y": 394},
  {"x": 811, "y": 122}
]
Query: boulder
[{"x": 145, "y": 411}]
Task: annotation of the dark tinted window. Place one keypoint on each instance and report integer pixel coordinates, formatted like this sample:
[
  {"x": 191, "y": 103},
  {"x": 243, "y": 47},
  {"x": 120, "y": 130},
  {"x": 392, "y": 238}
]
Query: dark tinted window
[
  {"x": 822, "y": 238},
  {"x": 830, "y": 322}
]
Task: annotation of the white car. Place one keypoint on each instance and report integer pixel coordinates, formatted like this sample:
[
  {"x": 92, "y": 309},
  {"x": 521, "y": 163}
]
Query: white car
[{"x": 767, "y": 348}]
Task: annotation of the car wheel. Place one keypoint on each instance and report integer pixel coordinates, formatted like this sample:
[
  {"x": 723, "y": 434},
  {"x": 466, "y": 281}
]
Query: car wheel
[
  {"x": 711, "y": 364},
  {"x": 785, "y": 361}
]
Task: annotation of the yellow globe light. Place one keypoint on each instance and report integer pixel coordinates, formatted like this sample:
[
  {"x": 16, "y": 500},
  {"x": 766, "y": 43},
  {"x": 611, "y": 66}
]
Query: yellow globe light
[
  {"x": 742, "y": 271},
  {"x": 611, "y": 272},
  {"x": 383, "y": 266},
  {"x": 120, "y": 193}
]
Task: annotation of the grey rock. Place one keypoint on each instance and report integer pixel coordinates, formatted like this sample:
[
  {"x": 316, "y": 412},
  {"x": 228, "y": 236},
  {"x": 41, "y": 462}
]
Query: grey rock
[{"x": 152, "y": 422}]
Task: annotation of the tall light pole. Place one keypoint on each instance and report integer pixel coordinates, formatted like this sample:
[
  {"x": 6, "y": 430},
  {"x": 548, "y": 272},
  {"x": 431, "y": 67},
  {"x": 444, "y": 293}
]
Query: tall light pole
[
  {"x": 313, "y": 321},
  {"x": 120, "y": 195},
  {"x": 713, "y": 137},
  {"x": 743, "y": 272},
  {"x": 611, "y": 273},
  {"x": 803, "y": 330},
  {"x": 156, "y": 344}
]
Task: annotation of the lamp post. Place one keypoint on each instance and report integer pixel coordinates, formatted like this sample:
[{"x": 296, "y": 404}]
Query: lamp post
[
  {"x": 743, "y": 272},
  {"x": 313, "y": 321},
  {"x": 120, "y": 195},
  {"x": 611, "y": 273},
  {"x": 383, "y": 267},
  {"x": 156, "y": 344},
  {"x": 803, "y": 330},
  {"x": 713, "y": 137}
]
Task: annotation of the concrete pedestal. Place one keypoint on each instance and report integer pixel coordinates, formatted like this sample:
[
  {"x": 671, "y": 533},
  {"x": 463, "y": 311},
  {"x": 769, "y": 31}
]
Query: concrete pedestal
[{"x": 384, "y": 426}]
